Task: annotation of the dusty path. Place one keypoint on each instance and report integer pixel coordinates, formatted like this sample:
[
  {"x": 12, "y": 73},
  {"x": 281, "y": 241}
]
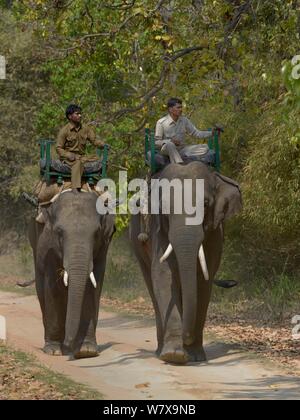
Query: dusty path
[{"x": 128, "y": 369}]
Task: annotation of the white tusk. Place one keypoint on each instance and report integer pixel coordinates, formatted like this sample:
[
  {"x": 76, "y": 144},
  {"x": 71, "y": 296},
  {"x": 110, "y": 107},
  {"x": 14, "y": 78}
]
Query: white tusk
[
  {"x": 203, "y": 263},
  {"x": 93, "y": 280},
  {"x": 66, "y": 277},
  {"x": 166, "y": 254}
]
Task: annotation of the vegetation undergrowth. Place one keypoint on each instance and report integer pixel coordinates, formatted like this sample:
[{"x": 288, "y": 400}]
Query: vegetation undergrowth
[{"x": 23, "y": 378}]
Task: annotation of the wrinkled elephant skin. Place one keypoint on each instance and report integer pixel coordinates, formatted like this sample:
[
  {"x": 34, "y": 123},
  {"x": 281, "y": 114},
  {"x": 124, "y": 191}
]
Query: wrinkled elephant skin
[
  {"x": 71, "y": 245},
  {"x": 177, "y": 286}
]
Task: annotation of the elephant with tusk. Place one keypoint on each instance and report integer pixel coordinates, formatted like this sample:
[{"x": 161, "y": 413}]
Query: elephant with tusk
[
  {"x": 70, "y": 256},
  {"x": 179, "y": 262},
  {"x": 201, "y": 259}
]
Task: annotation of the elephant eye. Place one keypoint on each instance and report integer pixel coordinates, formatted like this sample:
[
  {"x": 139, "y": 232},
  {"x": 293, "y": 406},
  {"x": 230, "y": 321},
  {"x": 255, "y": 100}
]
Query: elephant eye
[{"x": 58, "y": 230}]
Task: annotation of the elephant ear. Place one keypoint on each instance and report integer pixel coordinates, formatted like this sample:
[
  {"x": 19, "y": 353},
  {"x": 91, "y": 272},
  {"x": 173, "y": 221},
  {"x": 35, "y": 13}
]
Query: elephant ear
[
  {"x": 46, "y": 215},
  {"x": 228, "y": 200},
  {"x": 108, "y": 226}
]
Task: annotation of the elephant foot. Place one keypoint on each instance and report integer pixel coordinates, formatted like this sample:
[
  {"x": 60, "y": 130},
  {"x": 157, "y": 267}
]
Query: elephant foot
[
  {"x": 66, "y": 350},
  {"x": 53, "y": 349},
  {"x": 196, "y": 354},
  {"x": 158, "y": 351},
  {"x": 86, "y": 350},
  {"x": 174, "y": 354}
]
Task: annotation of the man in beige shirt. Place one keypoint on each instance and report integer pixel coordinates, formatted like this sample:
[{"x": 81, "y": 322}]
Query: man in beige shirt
[
  {"x": 171, "y": 131},
  {"x": 71, "y": 143}
]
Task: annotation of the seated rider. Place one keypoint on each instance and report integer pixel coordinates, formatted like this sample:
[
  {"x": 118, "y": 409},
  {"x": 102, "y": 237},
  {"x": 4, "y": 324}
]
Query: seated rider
[
  {"x": 71, "y": 142},
  {"x": 171, "y": 131}
]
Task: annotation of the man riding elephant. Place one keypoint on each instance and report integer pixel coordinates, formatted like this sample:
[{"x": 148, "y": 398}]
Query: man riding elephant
[
  {"x": 171, "y": 131},
  {"x": 71, "y": 143}
]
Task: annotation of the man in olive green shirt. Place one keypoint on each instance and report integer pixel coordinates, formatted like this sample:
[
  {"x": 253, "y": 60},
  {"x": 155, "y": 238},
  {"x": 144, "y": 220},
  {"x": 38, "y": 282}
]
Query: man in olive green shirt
[{"x": 71, "y": 142}]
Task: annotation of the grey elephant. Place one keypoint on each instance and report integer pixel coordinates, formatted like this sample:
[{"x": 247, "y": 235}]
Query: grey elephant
[
  {"x": 179, "y": 262},
  {"x": 70, "y": 256}
]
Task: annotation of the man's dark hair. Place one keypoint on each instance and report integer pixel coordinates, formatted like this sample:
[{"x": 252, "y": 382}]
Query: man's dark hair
[
  {"x": 174, "y": 101},
  {"x": 71, "y": 109}
]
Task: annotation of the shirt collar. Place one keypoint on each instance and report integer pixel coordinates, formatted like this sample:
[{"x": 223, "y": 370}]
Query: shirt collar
[
  {"x": 73, "y": 127},
  {"x": 171, "y": 121}
]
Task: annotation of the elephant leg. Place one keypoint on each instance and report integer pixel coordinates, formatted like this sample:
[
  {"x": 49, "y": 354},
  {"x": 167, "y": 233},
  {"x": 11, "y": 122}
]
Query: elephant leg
[
  {"x": 40, "y": 291},
  {"x": 167, "y": 295},
  {"x": 86, "y": 338},
  {"x": 196, "y": 350},
  {"x": 146, "y": 270},
  {"x": 142, "y": 252},
  {"x": 213, "y": 246},
  {"x": 53, "y": 301},
  {"x": 87, "y": 345}
]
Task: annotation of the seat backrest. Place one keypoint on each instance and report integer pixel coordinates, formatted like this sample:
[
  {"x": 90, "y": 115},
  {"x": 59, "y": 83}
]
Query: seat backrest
[
  {"x": 45, "y": 154},
  {"x": 213, "y": 144},
  {"x": 150, "y": 147}
]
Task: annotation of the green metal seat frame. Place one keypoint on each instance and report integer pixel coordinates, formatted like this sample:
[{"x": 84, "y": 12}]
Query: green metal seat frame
[
  {"x": 213, "y": 144},
  {"x": 48, "y": 173}
]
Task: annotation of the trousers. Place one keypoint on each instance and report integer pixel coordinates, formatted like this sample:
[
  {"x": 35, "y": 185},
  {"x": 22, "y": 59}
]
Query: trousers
[
  {"x": 176, "y": 153},
  {"x": 77, "y": 168}
]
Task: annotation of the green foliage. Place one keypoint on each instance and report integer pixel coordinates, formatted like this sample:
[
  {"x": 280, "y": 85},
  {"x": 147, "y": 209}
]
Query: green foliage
[
  {"x": 123, "y": 278},
  {"x": 121, "y": 61},
  {"x": 22, "y": 96}
]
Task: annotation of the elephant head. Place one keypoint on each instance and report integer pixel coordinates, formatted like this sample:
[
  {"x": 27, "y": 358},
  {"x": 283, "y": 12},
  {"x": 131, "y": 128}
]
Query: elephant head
[
  {"x": 196, "y": 250},
  {"x": 78, "y": 239}
]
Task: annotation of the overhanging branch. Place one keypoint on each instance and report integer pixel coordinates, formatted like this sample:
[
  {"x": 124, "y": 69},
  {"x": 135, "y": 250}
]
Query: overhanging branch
[
  {"x": 169, "y": 60},
  {"x": 146, "y": 98},
  {"x": 120, "y": 6},
  {"x": 114, "y": 32},
  {"x": 182, "y": 53}
]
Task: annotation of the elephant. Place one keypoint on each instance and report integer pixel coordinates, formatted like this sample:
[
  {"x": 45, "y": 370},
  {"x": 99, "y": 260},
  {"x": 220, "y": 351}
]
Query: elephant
[
  {"x": 179, "y": 262},
  {"x": 70, "y": 252}
]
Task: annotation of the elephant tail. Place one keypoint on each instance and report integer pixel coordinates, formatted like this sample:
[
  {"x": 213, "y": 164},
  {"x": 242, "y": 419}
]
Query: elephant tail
[
  {"x": 226, "y": 284},
  {"x": 26, "y": 283}
]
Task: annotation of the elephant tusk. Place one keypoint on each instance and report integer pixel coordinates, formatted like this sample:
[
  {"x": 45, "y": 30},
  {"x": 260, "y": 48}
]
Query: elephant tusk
[
  {"x": 93, "y": 280},
  {"x": 66, "y": 278},
  {"x": 166, "y": 254},
  {"x": 203, "y": 263}
]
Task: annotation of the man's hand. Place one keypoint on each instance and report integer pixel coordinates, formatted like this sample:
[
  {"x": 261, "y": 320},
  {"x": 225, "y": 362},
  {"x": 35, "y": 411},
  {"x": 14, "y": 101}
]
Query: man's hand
[
  {"x": 219, "y": 128},
  {"x": 71, "y": 156},
  {"x": 216, "y": 129},
  {"x": 175, "y": 141},
  {"x": 102, "y": 144}
]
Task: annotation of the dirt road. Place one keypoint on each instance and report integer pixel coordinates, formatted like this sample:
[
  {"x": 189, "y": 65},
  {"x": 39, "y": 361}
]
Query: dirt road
[{"x": 128, "y": 369}]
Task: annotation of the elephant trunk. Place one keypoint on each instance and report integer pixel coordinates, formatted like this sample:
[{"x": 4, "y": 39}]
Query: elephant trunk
[
  {"x": 78, "y": 281},
  {"x": 187, "y": 242}
]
